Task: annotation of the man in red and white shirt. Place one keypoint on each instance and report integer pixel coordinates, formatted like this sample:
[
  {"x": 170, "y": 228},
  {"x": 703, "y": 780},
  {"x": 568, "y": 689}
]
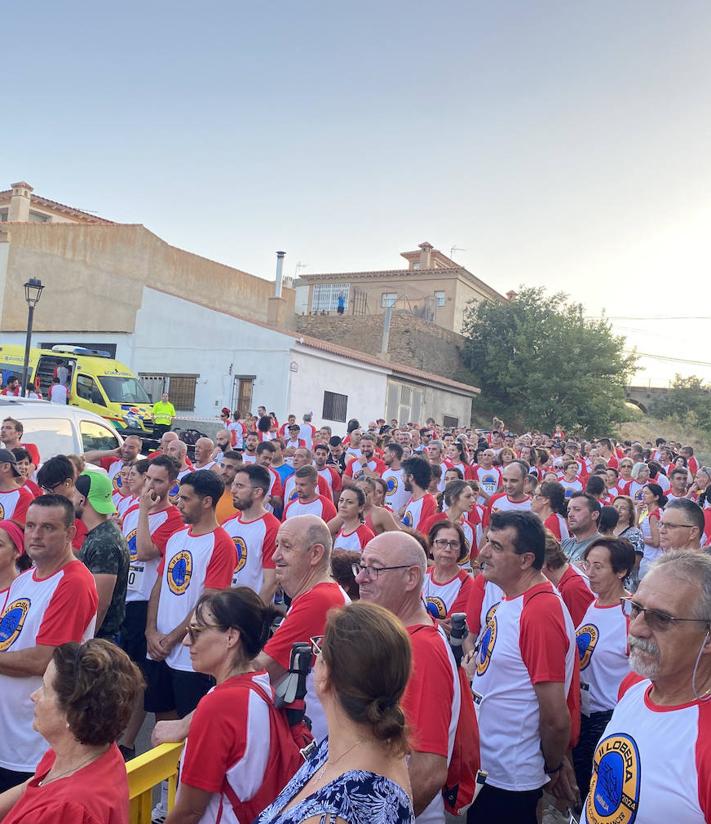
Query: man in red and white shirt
[
  {"x": 367, "y": 465},
  {"x": 487, "y": 475},
  {"x": 327, "y": 471},
  {"x": 253, "y": 532},
  {"x": 113, "y": 459},
  {"x": 653, "y": 761},
  {"x": 392, "y": 572},
  {"x": 308, "y": 501},
  {"x": 274, "y": 501},
  {"x": 14, "y": 497},
  {"x": 303, "y": 570},
  {"x": 526, "y": 668},
  {"x": 396, "y": 496},
  {"x": 308, "y": 431},
  {"x": 422, "y": 504},
  {"x": 45, "y": 607},
  {"x": 513, "y": 496},
  {"x": 293, "y": 437},
  {"x": 303, "y": 457},
  {"x": 198, "y": 558}
]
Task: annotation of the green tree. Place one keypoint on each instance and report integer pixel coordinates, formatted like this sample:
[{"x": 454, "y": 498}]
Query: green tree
[
  {"x": 538, "y": 357},
  {"x": 688, "y": 401}
]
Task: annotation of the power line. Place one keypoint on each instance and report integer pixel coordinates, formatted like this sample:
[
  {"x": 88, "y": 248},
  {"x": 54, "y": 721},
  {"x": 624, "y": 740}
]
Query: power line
[
  {"x": 647, "y": 317},
  {"x": 669, "y": 358}
]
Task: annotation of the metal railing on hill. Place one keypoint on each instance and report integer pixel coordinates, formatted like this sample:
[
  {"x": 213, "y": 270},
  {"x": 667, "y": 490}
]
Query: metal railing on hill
[{"x": 145, "y": 772}]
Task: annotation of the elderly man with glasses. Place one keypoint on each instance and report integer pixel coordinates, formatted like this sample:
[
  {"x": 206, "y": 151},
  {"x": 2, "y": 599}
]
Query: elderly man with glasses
[
  {"x": 653, "y": 762},
  {"x": 681, "y": 525},
  {"x": 391, "y": 573}
]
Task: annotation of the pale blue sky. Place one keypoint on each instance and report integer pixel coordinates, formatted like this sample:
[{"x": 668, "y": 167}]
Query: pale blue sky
[{"x": 558, "y": 143}]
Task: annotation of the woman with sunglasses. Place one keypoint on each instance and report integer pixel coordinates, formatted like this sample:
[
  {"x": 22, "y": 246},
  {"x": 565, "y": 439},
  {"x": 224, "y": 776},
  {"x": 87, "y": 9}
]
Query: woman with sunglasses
[
  {"x": 446, "y": 586},
  {"x": 240, "y": 751},
  {"x": 359, "y": 773},
  {"x": 602, "y": 646}
]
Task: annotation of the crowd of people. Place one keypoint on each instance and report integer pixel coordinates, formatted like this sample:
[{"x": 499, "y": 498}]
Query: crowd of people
[{"x": 180, "y": 585}]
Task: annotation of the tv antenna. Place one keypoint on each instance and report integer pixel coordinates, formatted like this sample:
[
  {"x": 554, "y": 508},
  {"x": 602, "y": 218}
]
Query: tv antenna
[
  {"x": 455, "y": 249},
  {"x": 299, "y": 266}
]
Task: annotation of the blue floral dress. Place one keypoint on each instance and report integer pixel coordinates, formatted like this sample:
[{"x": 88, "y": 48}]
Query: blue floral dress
[{"x": 358, "y": 797}]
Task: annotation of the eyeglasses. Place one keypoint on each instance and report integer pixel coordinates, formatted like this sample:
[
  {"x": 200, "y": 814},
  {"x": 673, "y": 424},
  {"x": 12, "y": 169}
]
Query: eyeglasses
[
  {"x": 373, "y": 572},
  {"x": 194, "y": 631},
  {"x": 441, "y": 543},
  {"x": 656, "y": 620},
  {"x": 665, "y": 525},
  {"x": 316, "y": 644}
]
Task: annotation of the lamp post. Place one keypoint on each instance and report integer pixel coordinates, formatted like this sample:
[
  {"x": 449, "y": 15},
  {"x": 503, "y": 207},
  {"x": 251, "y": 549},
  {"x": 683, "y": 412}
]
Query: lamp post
[{"x": 33, "y": 292}]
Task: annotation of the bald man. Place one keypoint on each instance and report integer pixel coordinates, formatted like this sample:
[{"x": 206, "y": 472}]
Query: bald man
[
  {"x": 113, "y": 460},
  {"x": 303, "y": 570},
  {"x": 392, "y": 571},
  {"x": 204, "y": 449},
  {"x": 165, "y": 439}
]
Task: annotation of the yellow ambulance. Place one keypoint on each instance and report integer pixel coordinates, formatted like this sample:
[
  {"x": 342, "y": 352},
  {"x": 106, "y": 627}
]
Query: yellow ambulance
[{"x": 94, "y": 381}]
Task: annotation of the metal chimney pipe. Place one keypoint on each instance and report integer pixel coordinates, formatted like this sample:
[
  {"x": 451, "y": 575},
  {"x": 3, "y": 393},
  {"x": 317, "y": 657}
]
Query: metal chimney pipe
[{"x": 279, "y": 267}]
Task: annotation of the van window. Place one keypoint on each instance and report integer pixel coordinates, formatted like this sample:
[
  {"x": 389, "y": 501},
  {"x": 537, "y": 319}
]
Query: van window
[
  {"x": 123, "y": 390},
  {"x": 88, "y": 390},
  {"x": 53, "y": 436},
  {"x": 96, "y": 436}
]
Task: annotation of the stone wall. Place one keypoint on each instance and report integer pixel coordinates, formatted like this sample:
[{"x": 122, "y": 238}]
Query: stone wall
[{"x": 413, "y": 341}]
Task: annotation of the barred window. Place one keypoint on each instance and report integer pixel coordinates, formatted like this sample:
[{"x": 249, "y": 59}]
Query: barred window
[{"x": 334, "y": 406}]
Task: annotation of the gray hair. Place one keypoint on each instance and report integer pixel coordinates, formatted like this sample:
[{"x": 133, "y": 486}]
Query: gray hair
[
  {"x": 692, "y": 567},
  {"x": 637, "y": 467}
]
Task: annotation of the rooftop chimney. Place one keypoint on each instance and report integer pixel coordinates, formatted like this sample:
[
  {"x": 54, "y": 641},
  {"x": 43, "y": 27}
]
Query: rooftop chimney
[
  {"x": 279, "y": 267},
  {"x": 425, "y": 255},
  {"x": 20, "y": 202}
]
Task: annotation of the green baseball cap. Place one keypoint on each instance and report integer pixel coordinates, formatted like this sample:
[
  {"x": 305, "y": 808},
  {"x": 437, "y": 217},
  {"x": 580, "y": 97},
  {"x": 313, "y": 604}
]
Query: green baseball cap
[{"x": 97, "y": 489}]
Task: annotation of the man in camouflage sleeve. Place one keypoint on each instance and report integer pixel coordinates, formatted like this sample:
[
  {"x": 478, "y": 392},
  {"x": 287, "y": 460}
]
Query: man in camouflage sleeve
[{"x": 104, "y": 551}]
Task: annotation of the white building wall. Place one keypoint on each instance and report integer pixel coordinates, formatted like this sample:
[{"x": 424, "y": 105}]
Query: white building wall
[
  {"x": 176, "y": 336},
  {"x": 318, "y": 372}
]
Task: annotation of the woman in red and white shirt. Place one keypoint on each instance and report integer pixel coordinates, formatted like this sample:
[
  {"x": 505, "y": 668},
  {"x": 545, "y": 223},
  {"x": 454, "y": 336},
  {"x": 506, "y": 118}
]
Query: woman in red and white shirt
[
  {"x": 240, "y": 752},
  {"x": 548, "y": 502},
  {"x": 353, "y": 534},
  {"x": 653, "y": 501},
  {"x": 13, "y": 560},
  {"x": 460, "y": 500},
  {"x": 446, "y": 586}
]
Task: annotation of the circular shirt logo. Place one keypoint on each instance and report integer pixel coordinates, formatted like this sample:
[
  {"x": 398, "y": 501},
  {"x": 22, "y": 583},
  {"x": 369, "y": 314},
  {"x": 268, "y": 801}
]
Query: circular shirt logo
[
  {"x": 486, "y": 646},
  {"x": 614, "y": 786},
  {"x": 391, "y": 485},
  {"x": 180, "y": 570},
  {"x": 12, "y": 621},
  {"x": 586, "y": 637},
  {"x": 241, "y": 552},
  {"x": 131, "y": 541},
  {"x": 408, "y": 519},
  {"x": 436, "y": 605},
  {"x": 2, "y": 512}
]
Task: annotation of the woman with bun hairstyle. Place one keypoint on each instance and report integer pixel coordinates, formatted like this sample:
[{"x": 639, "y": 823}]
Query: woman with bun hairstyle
[
  {"x": 359, "y": 773},
  {"x": 240, "y": 751},
  {"x": 82, "y": 706},
  {"x": 13, "y": 559}
]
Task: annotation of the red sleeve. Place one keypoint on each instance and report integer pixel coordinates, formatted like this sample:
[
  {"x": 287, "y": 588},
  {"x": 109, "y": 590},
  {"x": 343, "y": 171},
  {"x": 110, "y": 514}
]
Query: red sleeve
[
  {"x": 71, "y": 608},
  {"x": 429, "y": 508},
  {"x": 348, "y": 472},
  {"x": 171, "y": 525},
  {"x": 553, "y": 525},
  {"x": 577, "y": 597},
  {"x": 380, "y": 467},
  {"x": 323, "y": 488},
  {"x": 543, "y": 639},
  {"x": 628, "y": 681},
  {"x": 475, "y": 601},
  {"x": 431, "y": 521},
  {"x": 24, "y": 500},
  {"x": 277, "y": 487},
  {"x": 217, "y": 740},
  {"x": 329, "y": 510},
  {"x": 57, "y": 811},
  {"x": 107, "y": 461},
  {"x": 222, "y": 563},
  {"x": 427, "y": 701},
  {"x": 33, "y": 488},
  {"x": 269, "y": 545},
  {"x": 336, "y": 479},
  {"x": 461, "y": 601}
]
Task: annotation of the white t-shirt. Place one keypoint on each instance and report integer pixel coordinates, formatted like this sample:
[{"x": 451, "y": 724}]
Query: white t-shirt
[
  {"x": 652, "y": 764},
  {"x": 192, "y": 564},
  {"x": 603, "y": 651},
  {"x": 142, "y": 574},
  {"x": 254, "y": 543},
  {"x": 396, "y": 496},
  {"x": 49, "y": 611},
  {"x": 58, "y": 393}
]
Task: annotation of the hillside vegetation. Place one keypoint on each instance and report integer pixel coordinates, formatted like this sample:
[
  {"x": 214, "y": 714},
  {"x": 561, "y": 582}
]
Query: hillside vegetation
[{"x": 646, "y": 428}]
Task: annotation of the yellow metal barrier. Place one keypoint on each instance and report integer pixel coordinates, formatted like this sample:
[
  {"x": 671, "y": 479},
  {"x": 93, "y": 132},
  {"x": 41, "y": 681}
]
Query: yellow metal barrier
[{"x": 146, "y": 772}]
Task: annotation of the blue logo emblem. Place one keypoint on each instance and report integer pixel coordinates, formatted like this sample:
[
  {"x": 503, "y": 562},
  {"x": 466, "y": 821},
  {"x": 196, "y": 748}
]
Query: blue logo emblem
[
  {"x": 486, "y": 645},
  {"x": 436, "y": 607},
  {"x": 131, "y": 541},
  {"x": 241, "y": 552},
  {"x": 12, "y": 621},
  {"x": 408, "y": 519},
  {"x": 391, "y": 485},
  {"x": 614, "y": 786},
  {"x": 587, "y": 637},
  {"x": 180, "y": 570}
]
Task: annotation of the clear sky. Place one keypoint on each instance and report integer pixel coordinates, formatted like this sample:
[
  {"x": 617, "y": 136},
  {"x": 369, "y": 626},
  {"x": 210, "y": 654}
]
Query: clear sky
[{"x": 563, "y": 144}]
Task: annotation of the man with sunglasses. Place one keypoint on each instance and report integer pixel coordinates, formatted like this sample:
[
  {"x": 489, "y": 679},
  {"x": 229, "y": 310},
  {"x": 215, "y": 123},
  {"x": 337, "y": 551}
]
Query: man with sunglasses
[
  {"x": 391, "y": 574},
  {"x": 653, "y": 762}
]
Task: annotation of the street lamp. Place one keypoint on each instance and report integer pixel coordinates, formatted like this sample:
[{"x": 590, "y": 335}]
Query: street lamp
[{"x": 33, "y": 292}]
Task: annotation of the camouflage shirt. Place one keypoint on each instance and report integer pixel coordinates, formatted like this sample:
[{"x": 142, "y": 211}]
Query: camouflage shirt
[{"x": 104, "y": 552}]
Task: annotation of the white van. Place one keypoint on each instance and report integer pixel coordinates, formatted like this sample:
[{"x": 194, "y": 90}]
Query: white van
[{"x": 58, "y": 429}]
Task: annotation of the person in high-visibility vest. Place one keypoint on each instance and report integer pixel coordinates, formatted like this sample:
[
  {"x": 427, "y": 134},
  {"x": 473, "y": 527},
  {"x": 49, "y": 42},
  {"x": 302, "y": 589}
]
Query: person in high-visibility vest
[{"x": 163, "y": 414}]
